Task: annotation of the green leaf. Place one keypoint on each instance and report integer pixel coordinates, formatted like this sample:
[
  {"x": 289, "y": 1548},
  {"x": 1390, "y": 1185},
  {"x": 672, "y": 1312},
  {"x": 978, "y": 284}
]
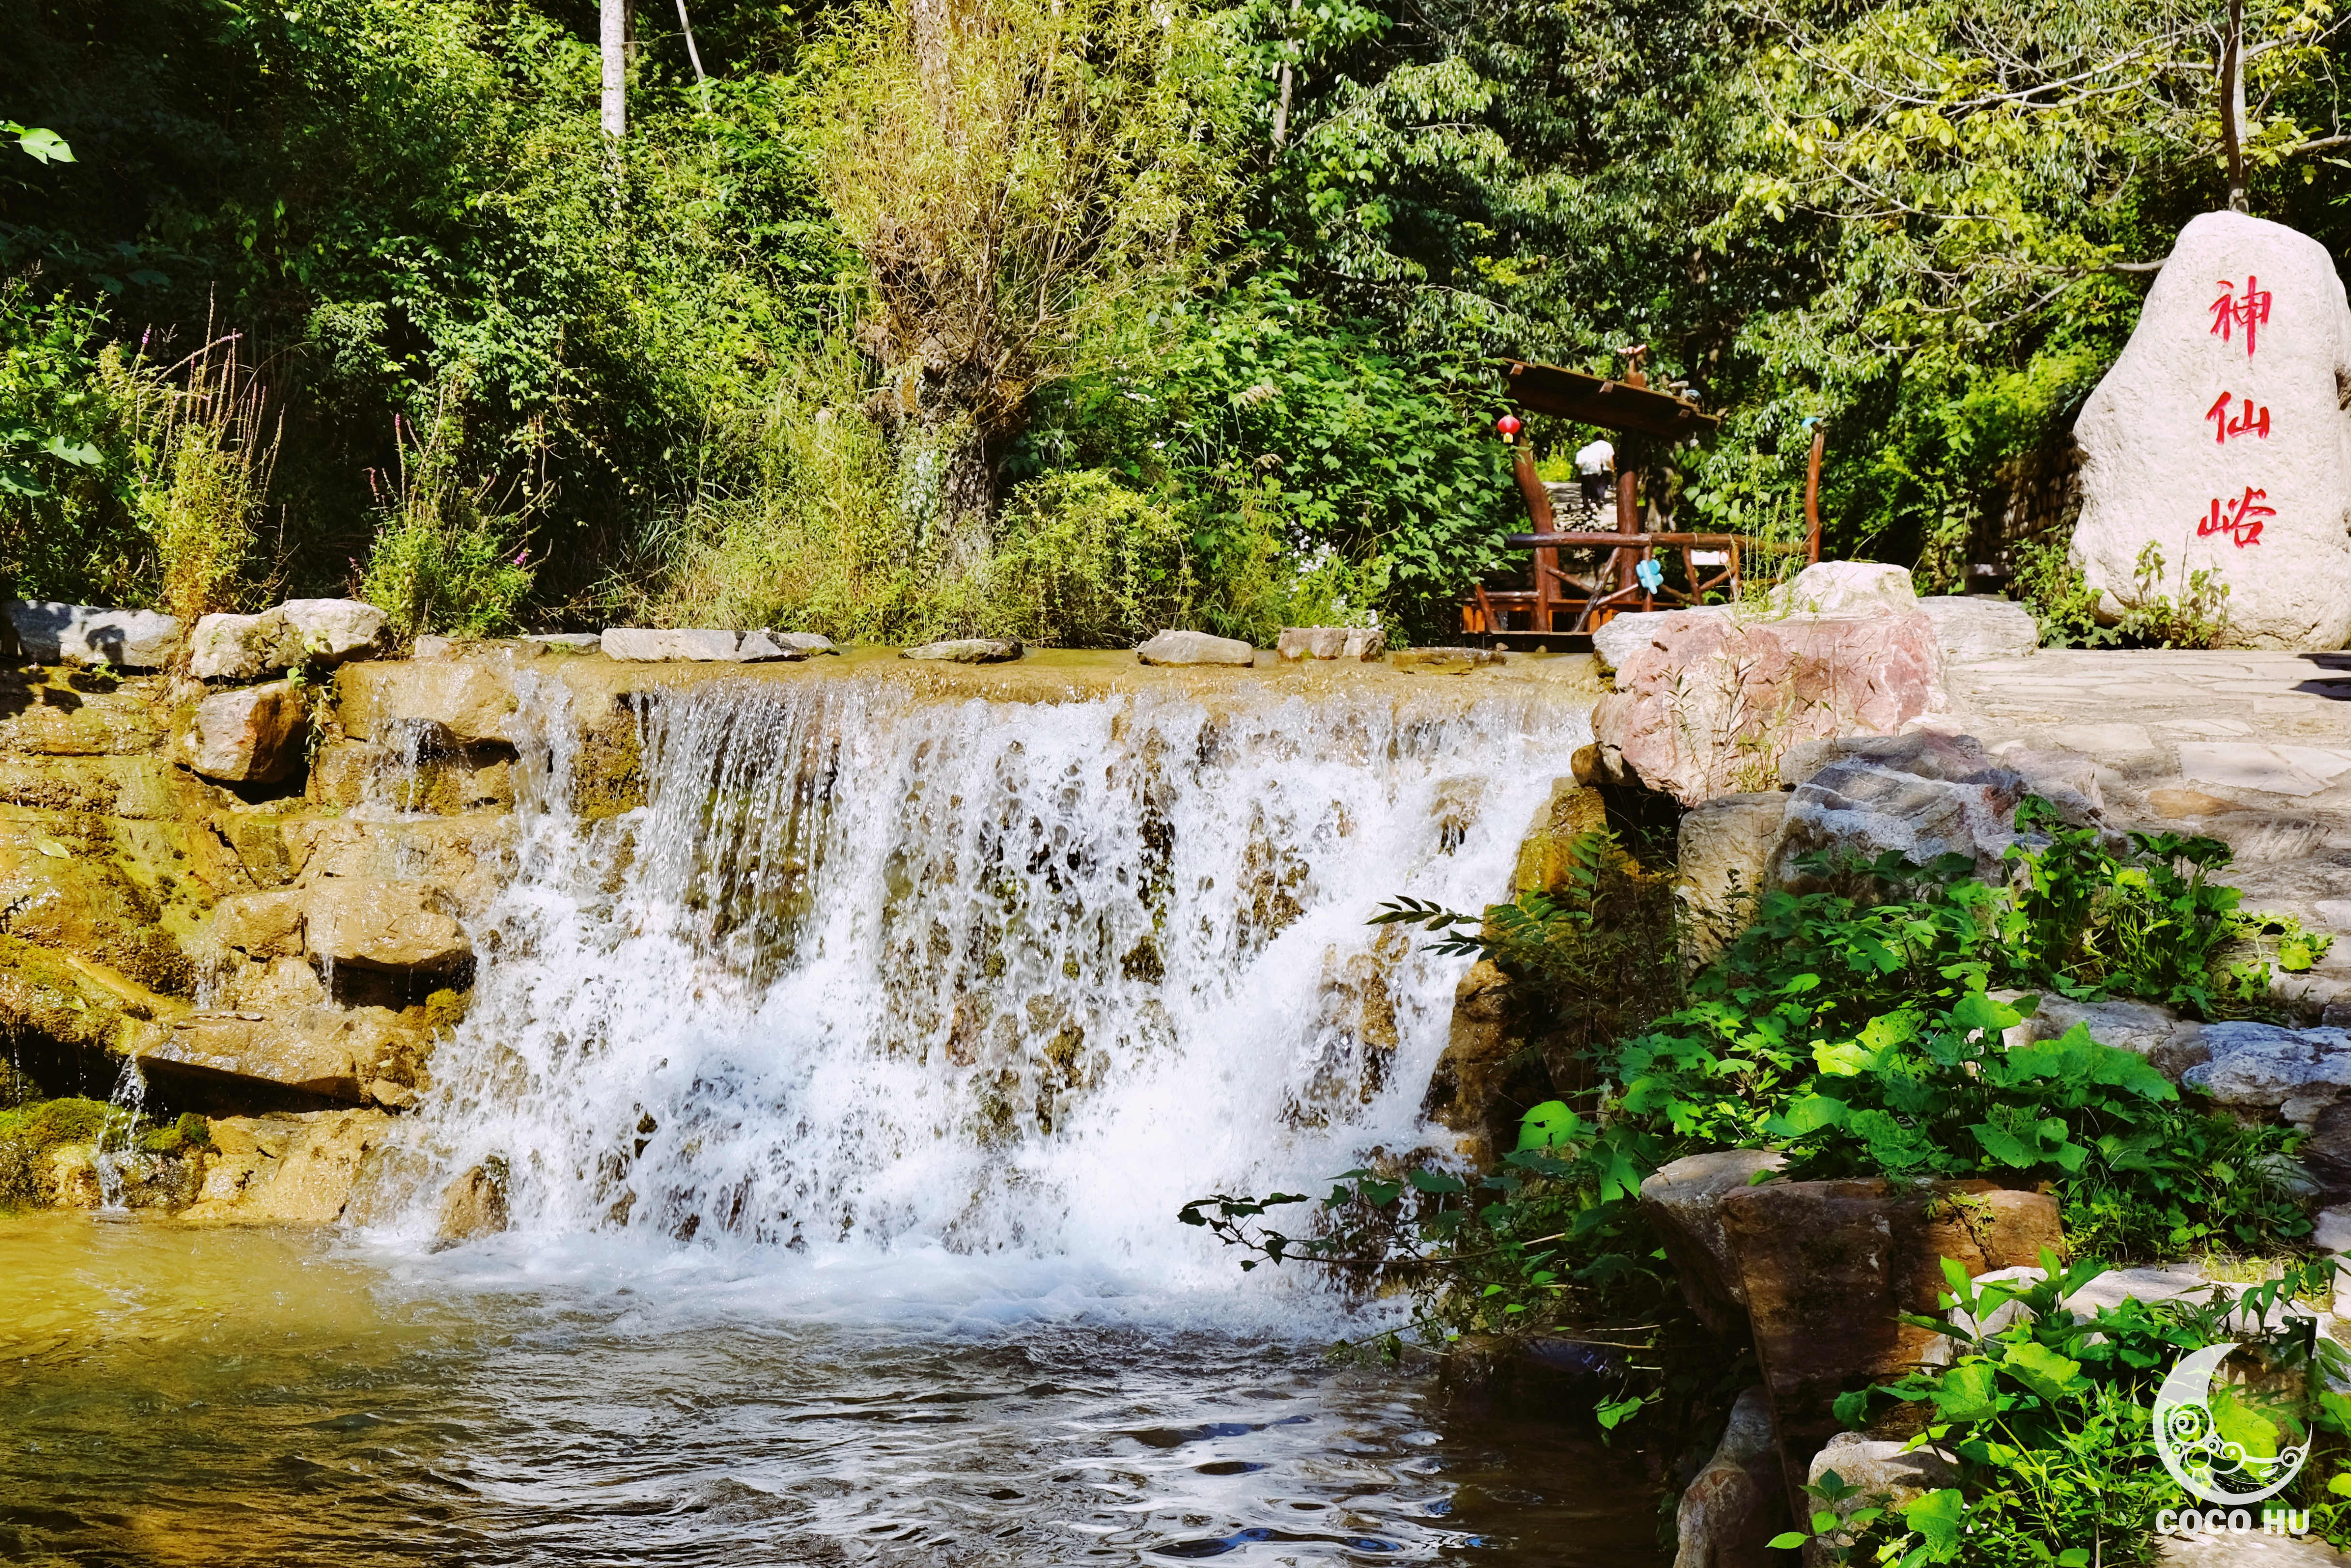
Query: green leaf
[
  {"x": 1976, "y": 1012},
  {"x": 1939, "y": 1517},
  {"x": 1787, "y": 1541},
  {"x": 2041, "y": 1369},
  {"x": 1550, "y": 1125},
  {"x": 47, "y": 146},
  {"x": 1436, "y": 1181},
  {"x": 1967, "y": 1392}
]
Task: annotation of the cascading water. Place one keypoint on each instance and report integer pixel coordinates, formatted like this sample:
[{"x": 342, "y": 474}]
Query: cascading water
[
  {"x": 846, "y": 1092},
  {"x": 116, "y": 1148},
  {"x": 874, "y": 970}
]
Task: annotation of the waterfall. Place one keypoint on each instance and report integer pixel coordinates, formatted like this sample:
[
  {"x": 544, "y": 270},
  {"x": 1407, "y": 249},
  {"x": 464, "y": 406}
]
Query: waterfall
[{"x": 873, "y": 970}]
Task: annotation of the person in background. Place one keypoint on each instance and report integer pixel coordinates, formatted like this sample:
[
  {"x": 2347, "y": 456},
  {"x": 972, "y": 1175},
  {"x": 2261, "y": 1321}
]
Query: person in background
[{"x": 1594, "y": 465}]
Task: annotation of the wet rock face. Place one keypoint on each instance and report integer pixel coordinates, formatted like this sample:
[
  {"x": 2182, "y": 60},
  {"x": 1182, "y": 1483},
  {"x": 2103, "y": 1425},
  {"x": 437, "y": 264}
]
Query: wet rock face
[
  {"x": 253, "y": 734},
  {"x": 474, "y": 1205},
  {"x": 1829, "y": 1267},
  {"x": 1708, "y": 701},
  {"x": 446, "y": 704},
  {"x": 53, "y": 633},
  {"x": 381, "y": 923},
  {"x": 2218, "y": 437},
  {"x": 1194, "y": 648},
  {"x": 1737, "y": 1503},
  {"x": 286, "y": 1169},
  {"x": 298, "y": 632}
]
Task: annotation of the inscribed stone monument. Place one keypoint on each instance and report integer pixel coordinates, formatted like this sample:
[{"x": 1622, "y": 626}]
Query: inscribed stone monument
[{"x": 2219, "y": 437}]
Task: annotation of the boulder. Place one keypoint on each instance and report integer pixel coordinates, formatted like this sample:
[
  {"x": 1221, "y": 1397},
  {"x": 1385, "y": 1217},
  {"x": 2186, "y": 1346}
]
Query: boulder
[
  {"x": 275, "y": 1170},
  {"x": 1355, "y": 642},
  {"x": 52, "y": 633},
  {"x": 311, "y": 1052},
  {"x": 350, "y": 773},
  {"x": 2326, "y": 1153},
  {"x": 967, "y": 651},
  {"x": 1977, "y": 626},
  {"x": 2265, "y": 1066},
  {"x": 1829, "y": 1267},
  {"x": 1722, "y": 863},
  {"x": 465, "y": 858},
  {"x": 1545, "y": 854},
  {"x": 261, "y": 925},
  {"x": 1733, "y": 1507},
  {"x": 441, "y": 705},
  {"x": 1683, "y": 1200},
  {"x": 298, "y": 632},
  {"x": 1621, "y": 636},
  {"x": 474, "y": 1205},
  {"x": 1194, "y": 648},
  {"x": 764, "y": 647},
  {"x": 1888, "y": 1471},
  {"x": 1844, "y": 587},
  {"x": 1468, "y": 1090},
  {"x": 381, "y": 923},
  {"x": 253, "y": 734},
  {"x": 2219, "y": 438},
  {"x": 649, "y": 646},
  {"x": 1921, "y": 794},
  {"x": 2170, "y": 1043},
  {"x": 1711, "y": 701}
]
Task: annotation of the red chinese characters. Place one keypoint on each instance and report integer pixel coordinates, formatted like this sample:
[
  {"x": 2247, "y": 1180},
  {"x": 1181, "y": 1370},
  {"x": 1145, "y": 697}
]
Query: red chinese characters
[
  {"x": 2250, "y": 420},
  {"x": 2246, "y": 314},
  {"x": 2241, "y": 520}
]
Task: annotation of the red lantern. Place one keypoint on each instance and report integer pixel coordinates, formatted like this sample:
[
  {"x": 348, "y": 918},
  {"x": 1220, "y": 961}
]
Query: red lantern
[{"x": 1509, "y": 425}]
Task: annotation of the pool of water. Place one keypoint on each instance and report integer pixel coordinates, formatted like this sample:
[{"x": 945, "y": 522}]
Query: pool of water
[{"x": 177, "y": 1395}]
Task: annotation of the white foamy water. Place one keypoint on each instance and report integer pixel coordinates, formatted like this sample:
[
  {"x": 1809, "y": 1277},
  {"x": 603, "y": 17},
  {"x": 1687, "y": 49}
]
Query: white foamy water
[{"x": 875, "y": 975}]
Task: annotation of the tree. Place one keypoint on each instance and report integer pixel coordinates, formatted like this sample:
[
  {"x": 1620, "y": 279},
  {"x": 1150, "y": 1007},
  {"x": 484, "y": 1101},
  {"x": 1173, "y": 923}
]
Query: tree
[{"x": 1012, "y": 173}]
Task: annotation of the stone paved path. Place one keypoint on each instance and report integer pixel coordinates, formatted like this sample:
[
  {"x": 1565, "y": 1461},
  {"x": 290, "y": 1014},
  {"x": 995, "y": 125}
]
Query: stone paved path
[{"x": 2251, "y": 747}]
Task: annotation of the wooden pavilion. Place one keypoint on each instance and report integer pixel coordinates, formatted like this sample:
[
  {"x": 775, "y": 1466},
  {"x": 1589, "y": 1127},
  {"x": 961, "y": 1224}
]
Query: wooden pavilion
[{"x": 1564, "y": 602}]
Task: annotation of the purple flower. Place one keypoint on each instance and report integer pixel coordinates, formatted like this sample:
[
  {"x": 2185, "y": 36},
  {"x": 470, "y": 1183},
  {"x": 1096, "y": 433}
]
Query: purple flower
[{"x": 522, "y": 558}]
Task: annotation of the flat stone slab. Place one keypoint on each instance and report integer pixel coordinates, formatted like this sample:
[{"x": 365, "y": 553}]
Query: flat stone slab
[
  {"x": 56, "y": 634},
  {"x": 571, "y": 641},
  {"x": 1194, "y": 648},
  {"x": 2295, "y": 770},
  {"x": 1301, "y": 643},
  {"x": 966, "y": 651},
  {"x": 648, "y": 645}
]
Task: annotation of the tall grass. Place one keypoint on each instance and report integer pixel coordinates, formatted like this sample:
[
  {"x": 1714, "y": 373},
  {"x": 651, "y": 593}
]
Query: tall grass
[{"x": 204, "y": 445}]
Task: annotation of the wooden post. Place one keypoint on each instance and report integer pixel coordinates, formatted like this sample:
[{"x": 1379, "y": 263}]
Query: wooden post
[
  {"x": 1538, "y": 499},
  {"x": 1813, "y": 494},
  {"x": 1628, "y": 521}
]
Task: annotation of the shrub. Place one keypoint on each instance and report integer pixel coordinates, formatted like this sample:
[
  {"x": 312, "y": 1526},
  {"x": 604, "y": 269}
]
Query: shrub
[
  {"x": 1086, "y": 562},
  {"x": 205, "y": 449},
  {"x": 445, "y": 557}
]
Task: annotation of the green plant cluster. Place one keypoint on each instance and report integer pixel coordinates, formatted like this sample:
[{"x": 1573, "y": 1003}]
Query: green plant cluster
[
  {"x": 31, "y": 1132},
  {"x": 2045, "y": 1420}
]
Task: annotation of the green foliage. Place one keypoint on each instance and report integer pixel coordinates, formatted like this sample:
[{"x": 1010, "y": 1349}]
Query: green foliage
[
  {"x": 1590, "y": 961},
  {"x": 1085, "y": 562},
  {"x": 2145, "y": 923},
  {"x": 2047, "y": 1421},
  {"x": 447, "y": 558},
  {"x": 29, "y": 1132}
]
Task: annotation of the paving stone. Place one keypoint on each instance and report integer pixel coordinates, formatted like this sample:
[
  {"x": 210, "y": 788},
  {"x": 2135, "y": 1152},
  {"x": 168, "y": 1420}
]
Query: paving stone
[{"x": 2294, "y": 770}]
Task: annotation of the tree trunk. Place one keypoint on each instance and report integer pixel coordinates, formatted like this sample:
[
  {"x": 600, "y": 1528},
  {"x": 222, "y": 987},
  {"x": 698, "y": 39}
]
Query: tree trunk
[
  {"x": 612, "y": 34},
  {"x": 2233, "y": 106},
  {"x": 967, "y": 525}
]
